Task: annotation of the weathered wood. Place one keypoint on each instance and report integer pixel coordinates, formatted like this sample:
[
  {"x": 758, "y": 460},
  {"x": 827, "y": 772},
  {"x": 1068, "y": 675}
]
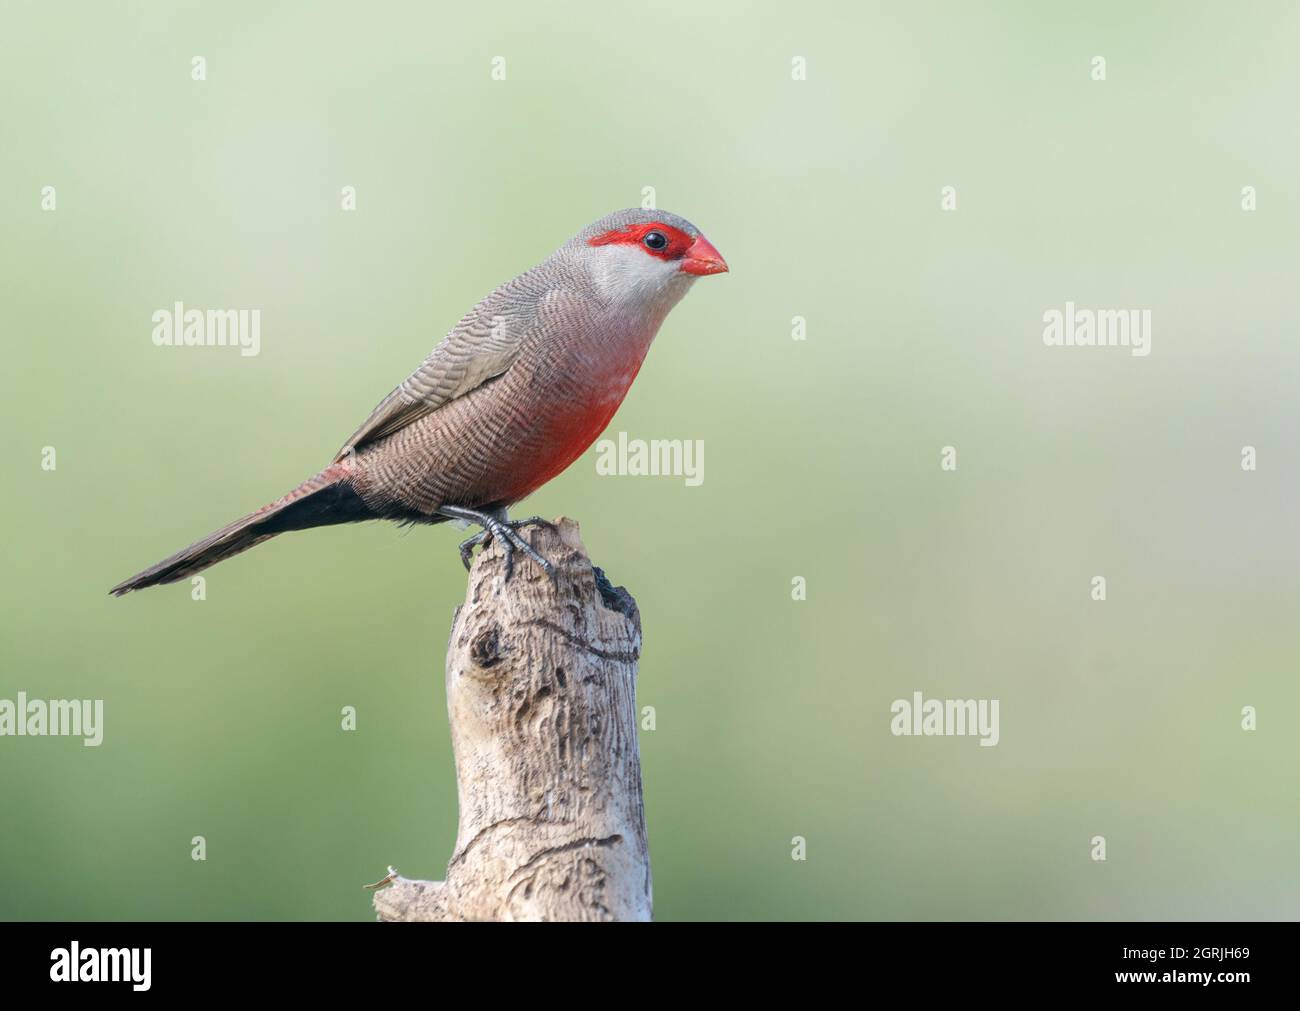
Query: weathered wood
[{"x": 541, "y": 683}]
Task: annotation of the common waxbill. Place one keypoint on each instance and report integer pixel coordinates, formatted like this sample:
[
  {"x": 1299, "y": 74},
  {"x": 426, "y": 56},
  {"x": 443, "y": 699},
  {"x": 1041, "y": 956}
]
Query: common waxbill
[{"x": 516, "y": 392}]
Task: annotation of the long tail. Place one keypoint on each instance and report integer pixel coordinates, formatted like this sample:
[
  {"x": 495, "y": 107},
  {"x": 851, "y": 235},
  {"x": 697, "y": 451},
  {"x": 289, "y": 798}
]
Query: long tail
[{"x": 325, "y": 499}]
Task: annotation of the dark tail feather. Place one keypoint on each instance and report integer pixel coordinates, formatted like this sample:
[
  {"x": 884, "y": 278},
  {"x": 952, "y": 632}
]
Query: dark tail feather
[{"x": 325, "y": 499}]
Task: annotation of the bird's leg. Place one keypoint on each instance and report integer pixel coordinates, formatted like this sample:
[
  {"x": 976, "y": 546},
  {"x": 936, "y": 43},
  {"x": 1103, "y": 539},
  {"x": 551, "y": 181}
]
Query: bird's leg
[{"x": 496, "y": 524}]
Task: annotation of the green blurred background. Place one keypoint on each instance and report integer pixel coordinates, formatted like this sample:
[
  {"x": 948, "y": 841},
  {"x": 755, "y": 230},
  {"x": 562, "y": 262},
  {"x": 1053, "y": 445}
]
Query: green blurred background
[{"x": 924, "y": 327}]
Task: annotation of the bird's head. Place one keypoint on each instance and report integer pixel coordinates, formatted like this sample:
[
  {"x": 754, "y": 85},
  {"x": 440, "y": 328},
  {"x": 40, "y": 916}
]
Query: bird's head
[{"x": 646, "y": 256}]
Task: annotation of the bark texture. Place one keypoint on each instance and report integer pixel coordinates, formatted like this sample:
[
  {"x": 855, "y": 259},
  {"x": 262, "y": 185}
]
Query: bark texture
[{"x": 541, "y": 683}]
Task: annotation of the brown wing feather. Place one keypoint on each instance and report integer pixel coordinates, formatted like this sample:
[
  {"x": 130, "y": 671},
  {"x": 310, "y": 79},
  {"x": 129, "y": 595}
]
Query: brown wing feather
[{"x": 483, "y": 345}]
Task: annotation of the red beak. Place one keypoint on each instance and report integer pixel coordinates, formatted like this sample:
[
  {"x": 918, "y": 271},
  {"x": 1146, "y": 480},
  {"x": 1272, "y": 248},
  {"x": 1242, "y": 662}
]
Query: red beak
[{"x": 702, "y": 258}]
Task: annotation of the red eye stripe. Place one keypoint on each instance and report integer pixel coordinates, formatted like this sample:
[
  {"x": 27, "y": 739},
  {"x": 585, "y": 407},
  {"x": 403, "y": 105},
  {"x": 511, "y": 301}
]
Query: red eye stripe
[{"x": 632, "y": 235}]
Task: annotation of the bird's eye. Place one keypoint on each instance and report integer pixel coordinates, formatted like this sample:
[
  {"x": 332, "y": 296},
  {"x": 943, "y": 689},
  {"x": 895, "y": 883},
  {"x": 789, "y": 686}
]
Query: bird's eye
[{"x": 655, "y": 240}]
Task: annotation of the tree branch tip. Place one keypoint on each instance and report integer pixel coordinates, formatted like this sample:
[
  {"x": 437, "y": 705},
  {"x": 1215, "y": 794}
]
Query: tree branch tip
[{"x": 390, "y": 878}]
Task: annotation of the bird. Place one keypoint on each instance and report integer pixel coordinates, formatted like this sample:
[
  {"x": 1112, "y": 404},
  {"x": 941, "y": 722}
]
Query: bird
[{"x": 511, "y": 396}]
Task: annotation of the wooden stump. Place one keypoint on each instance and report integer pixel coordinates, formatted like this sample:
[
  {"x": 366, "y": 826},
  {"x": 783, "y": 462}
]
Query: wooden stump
[{"x": 541, "y": 694}]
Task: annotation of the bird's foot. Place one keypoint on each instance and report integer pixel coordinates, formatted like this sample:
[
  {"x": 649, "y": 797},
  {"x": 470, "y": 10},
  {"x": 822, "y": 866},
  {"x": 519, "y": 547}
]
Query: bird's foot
[{"x": 497, "y": 525}]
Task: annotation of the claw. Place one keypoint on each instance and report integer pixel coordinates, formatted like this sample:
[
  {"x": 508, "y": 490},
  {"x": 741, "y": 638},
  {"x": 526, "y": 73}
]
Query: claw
[
  {"x": 530, "y": 551},
  {"x": 508, "y": 550},
  {"x": 467, "y": 546},
  {"x": 507, "y": 530},
  {"x": 532, "y": 521}
]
